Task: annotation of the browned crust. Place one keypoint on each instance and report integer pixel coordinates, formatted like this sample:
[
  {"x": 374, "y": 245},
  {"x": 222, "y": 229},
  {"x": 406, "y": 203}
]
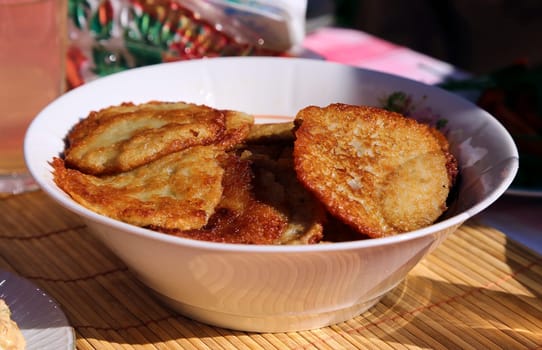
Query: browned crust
[
  {"x": 122, "y": 138},
  {"x": 239, "y": 217},
  {"x": 276, "y": 183},
  {"x": 180, "y": 190},
  {"x": 374, "y": 169},
  {"x": 214, "y": 175}
]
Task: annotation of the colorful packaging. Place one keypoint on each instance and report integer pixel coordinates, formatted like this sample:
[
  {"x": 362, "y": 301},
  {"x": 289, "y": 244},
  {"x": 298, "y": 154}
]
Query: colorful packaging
[{"x": 107, "y": 36}]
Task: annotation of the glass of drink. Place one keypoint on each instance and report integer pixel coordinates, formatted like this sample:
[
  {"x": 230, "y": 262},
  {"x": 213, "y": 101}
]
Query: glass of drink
[{"x": 32, "y": 73}]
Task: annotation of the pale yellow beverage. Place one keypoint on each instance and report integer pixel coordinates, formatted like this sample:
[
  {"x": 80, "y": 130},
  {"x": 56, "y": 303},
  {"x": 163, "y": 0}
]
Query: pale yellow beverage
[{"x": 32, "y": 55}]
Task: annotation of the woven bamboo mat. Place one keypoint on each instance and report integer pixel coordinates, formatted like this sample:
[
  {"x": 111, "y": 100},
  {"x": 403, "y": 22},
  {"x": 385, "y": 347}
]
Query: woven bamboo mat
[{"x": 477, "y": 291}]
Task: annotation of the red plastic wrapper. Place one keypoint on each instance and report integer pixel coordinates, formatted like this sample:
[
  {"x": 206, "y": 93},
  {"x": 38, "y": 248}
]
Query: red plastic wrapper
[{"x": 108, "y": 36}]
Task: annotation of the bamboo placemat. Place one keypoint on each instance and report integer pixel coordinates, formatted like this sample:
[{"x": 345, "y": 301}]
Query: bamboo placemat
[{"x": 477, "y": 291}]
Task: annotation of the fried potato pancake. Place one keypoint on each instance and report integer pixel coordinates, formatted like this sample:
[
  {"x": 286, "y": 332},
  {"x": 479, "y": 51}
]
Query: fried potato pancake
[
  {"x": 262, "y": 203},
  {"x": 239, "y": 217},
  {"x": 197, "y": 172},
  {"x": 180, "y": 190},
  {"x": 276, "y": 183},
  {"x": 122, "y": 138},
  {"x": 376, "y": 170}
]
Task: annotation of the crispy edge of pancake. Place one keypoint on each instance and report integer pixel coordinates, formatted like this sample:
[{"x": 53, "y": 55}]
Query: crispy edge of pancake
[
  {"x": 180, "y": 190},
  {"x": 349, "y": 169},
  {"x": 104, "y": 115},
  {"x": 121, "y": 138},
  {"x": 239, "y": 217},
  {"x": 452, "y": 165},
  {"x": 238, "y": 126}
]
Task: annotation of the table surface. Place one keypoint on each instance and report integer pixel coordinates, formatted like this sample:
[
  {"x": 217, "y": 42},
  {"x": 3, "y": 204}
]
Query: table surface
[{"x": 481, "y": 289}]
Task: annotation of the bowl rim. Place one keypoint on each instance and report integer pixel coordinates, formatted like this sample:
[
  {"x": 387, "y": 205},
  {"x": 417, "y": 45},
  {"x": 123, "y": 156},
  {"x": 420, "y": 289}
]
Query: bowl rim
[{"x": 63, "y": 199}]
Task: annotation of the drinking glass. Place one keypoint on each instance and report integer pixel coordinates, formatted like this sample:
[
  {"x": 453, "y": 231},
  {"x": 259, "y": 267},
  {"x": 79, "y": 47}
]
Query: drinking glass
[{"x": 33, "y": 40}]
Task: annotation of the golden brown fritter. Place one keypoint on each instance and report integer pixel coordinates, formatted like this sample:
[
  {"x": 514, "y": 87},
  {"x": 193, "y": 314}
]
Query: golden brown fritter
[
  {"x": 214, "y": 175},
  {"x": 374, "y": 169},
  {"x": 180, "y": 190},
  {"x": 121, "y": 138},
  {"x": 239, "y": 217},
  {"x": 262, "y": 203},
  {"x": 276, "y": 183}
]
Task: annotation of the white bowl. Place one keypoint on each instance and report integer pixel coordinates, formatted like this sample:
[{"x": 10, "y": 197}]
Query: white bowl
[{"x": 275, "y": 288}]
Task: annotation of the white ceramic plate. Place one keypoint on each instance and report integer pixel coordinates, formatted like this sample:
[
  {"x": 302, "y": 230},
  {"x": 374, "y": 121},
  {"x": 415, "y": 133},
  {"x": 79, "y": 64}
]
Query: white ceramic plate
[{"x": 42, "y": 322}]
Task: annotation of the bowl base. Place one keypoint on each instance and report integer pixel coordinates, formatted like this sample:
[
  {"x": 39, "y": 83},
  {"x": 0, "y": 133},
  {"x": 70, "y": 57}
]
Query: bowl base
[{"x": 268, "y": 323}]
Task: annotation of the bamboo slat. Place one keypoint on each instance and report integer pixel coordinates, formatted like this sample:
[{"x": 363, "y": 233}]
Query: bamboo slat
[{"x": 478, "y": 290}]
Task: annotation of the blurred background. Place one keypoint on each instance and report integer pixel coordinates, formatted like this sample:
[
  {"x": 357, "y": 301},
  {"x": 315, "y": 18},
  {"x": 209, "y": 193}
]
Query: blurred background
[{"x": 478, "y": 36}]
